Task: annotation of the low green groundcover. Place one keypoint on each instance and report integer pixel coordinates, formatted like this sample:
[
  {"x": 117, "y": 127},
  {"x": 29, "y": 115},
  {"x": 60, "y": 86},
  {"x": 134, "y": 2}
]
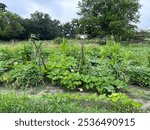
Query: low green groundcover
[{"x": 67, "y": 103}]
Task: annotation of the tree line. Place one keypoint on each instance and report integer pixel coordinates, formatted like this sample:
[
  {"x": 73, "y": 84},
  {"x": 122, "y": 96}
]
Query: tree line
[
  {"x": 12, "y": 26},
  {"x": 98, "y": 18}
]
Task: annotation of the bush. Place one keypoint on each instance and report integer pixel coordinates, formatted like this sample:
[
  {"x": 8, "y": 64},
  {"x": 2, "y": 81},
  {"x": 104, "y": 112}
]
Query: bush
[
  {"x": 5, "y": 67},
  {"x": 139, "y": 76},
  {"x": 117, "y": 58},
  {"x": 58, "y": 40},
  {"x": 24, "y": 76},
  {"x": 5, "y": 54},
  {"x": 66, "y": 103},
  {"x": 25, "y": 54},
  {"x": 10, "y": 57}
]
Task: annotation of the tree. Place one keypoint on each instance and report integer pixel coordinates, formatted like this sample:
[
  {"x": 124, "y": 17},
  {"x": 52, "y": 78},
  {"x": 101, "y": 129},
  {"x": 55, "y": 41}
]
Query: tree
[
  {"x": 27, "y": 25},
  {"x": 69, "y": 30},
  {"x": 2, "y": 7},
  {"x": 42, "y": 25},
  {"x": 109, "y": 17},
  {"x": 10, "y": 27}
]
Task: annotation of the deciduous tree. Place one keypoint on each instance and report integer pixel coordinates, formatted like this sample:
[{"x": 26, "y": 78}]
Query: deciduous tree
[{"x": 109, "y": 17}]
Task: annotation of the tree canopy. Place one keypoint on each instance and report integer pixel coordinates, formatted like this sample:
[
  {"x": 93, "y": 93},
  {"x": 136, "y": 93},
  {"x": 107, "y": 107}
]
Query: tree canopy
[
  {"x": 2, "y": 7},
  {"x": 109, "y": 17},
  {"x": 10, "y": 27},
  {"x": 43, "y": 26},
  {"x": 98, "y": 18}
]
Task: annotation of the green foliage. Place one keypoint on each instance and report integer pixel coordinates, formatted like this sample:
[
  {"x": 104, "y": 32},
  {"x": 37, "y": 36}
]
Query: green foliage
[
  {"x": 5, "y": 54},
  {"x": 117, "y": 58},
  {"x": 61, "y": 70},
  {"x": 67, "y": 103},
  {"x": 58, "y": 40},
  {"x": 6, "y": 62},
  {"x": 105, "y": 69},
  {"x": 125, "y": 102},
  {"x": 68, "y": 30},
  {"x": 10, "y": 26},
  {"x": 139, "y": 76},
  {"x": 24, "y": 76},
  {"x": 64, "y": 46},
  {"x": 95, "y": 75},
  {"x": 111, "y": 17},
  {"x": 139, "y": 58},
  {"x": 25, "y": 54},
  {"x": 148, "y": 59},
  {"x": 43, "y": 26},
  {"x": 9, "y": 58},
  {"x": 2, "y": 7}
]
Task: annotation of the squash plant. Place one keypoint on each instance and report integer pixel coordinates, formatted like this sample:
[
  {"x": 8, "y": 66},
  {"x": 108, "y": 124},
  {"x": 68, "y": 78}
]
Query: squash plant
[{"x": 63, "y": 70}]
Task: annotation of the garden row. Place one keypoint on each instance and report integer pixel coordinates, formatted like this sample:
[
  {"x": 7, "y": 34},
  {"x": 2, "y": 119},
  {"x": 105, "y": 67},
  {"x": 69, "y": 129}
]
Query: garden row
[{"x": 106, "y": 69}]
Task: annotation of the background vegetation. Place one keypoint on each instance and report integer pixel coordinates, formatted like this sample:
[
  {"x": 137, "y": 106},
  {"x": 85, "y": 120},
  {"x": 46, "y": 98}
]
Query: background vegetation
[{"x": 98, "y": 19}]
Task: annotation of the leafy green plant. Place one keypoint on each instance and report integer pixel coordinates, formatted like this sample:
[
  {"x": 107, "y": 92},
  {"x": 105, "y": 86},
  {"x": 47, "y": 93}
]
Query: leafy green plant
[
  {"x": 25, "y": 54},
  {"x": 117, "y": 58},
  {"x": 25, "y": 75},
  {"x": 63, "y": 70},
  {"x": 5, "y": 54},
  {"x": 107, "y": 69},
  {"x": 139, "y": 76},
  {"x": 125, "y": 102}
]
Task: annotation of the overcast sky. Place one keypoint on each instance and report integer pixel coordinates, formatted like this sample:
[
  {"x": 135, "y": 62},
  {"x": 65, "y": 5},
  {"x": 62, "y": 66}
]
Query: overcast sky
[{"x": 63, "y": 10}]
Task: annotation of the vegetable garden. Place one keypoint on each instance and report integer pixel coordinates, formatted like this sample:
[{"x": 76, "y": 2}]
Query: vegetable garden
[{"x": 95, "y": 78}]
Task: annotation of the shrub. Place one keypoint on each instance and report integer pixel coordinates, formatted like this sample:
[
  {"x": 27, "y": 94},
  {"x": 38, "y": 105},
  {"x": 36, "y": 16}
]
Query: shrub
[
  {"x": 5, "y": 54},
  {"x": 5, "y": 67},
  {"x": 25, "y": 54},
  {"x": 117, "y": 58},
  {"x": 58, "y": 40},
  {"x": 25, "y": 75},
  {"x": 139, "y": 76}
]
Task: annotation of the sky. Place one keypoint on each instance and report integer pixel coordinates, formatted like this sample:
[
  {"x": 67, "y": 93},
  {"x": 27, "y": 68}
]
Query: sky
[{"x": 64, "y": 10}]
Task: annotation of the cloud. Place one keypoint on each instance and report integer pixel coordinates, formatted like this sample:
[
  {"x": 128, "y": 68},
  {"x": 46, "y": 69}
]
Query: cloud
[
  {"x": 145, "y": 14},
  {"x": 64, "y": 10}
]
